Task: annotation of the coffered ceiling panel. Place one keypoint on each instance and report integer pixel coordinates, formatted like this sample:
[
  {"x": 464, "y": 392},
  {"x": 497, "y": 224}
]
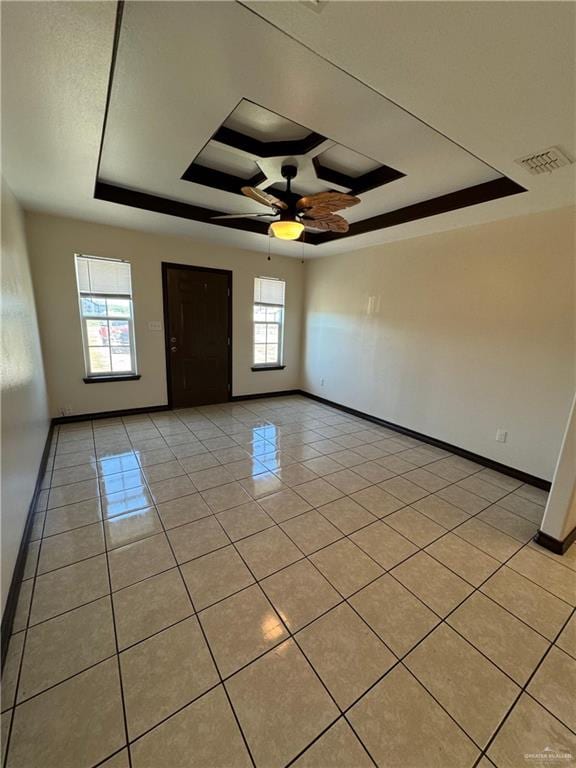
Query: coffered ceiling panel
[
  {"x": 444, "y": 95},
  {"x": 189, "y": 122}
]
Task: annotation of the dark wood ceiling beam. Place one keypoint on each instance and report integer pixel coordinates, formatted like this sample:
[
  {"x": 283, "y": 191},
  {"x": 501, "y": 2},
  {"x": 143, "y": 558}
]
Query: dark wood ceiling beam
[
  {"x": 157, "y": 204},
  {"x": 462, "y": 198},
  {"x": 356, "y": 185},
  {"x": 227, "y": 182},
  {"x": 257, "y": 148}
]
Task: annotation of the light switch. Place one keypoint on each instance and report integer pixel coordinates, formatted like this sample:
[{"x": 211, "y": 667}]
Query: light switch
[{"x": 154, "y": 325}]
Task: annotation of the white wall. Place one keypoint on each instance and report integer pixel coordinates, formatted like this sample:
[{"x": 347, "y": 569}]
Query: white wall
[
  {"x": 471, "y": 330},
  {"x": 25, "y": 422},
  {"x": 560, "y": 514},
  {"x": 53, "y": 241}
]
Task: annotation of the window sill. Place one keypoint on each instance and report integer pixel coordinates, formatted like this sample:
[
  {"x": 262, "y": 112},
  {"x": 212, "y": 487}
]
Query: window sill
[
  {"x": 106, "y": 379},
  {"x": 268, "y": 367}
]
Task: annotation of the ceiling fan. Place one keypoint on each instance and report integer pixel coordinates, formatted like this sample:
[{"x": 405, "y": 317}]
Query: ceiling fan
[{"x": 315, "y": 211}]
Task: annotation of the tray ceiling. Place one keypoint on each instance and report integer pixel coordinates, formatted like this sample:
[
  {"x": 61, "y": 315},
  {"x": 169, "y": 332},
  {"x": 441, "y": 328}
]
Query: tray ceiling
[
  {"x": 495, "y": 79},
  {"x": 183, "y": 139}
]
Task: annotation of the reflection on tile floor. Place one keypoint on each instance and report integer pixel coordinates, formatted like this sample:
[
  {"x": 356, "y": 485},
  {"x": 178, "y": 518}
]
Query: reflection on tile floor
[{"x": 276, "y": 582}]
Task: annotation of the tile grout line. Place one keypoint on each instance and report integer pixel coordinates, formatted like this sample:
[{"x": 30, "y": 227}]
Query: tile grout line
[
  {"x": 211, "y": 513},
  {"x": 523, "y": 690},
  {"x": 422, "y": 549},
  {"x": 319, "y": 509},
  {"x": 449, "y": 483},
  {"x": 293, "y": 636},
  {"x": 345, "y": 601},
  {"x": 470, "y": 516},
  {"x": 405, "y": 504},
  {"x": 290, "y": 636},
  {"x": 400, "y": 660},
  {"x": 385, "y": 572},
  {"x": 113, "y": 612},
  {"x": 195, "y": 613},
  {"x": 274, "y": 523},
  {"x": 111, "y": 603},
  {"x": 442, "y": 620},
  {"x": 56, "y": 434}
]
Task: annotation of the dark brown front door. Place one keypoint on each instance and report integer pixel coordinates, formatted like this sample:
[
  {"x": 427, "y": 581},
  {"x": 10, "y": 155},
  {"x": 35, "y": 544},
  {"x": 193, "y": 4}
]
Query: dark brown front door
[{"x": 198, "y": 334}]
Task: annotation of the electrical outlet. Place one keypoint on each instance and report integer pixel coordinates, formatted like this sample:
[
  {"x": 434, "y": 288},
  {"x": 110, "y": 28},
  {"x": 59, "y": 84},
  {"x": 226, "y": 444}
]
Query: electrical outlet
[
  {"x": 373, "y": 306},
  {"x": 65, "y": 410},
  {"x": 501, "y": 435}
]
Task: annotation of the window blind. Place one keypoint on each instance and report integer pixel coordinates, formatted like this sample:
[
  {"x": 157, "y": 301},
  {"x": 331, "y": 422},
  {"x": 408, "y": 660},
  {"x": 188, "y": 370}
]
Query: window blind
[
  {"x": 269, "y": 291},
  {"x": 103, "y": 276}
]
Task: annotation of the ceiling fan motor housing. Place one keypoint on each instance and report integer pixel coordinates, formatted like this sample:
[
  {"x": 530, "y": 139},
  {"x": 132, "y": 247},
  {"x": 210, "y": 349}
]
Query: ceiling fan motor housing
[
  {"x": 289, "y": 171},
  {"x": 288, "y": 215},
  {"x": 295, "y": 212}
]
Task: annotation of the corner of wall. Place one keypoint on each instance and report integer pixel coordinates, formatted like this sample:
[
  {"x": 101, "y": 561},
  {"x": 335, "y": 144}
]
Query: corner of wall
[{"x": 25, "y": 413}]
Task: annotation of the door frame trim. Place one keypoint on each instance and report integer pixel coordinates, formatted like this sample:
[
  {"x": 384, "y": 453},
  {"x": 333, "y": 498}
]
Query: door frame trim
[{"x": 166, "y": 265}]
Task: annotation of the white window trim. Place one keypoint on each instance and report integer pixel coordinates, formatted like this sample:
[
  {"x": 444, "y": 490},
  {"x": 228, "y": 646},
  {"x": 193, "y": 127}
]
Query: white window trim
[
  {"x": 279, "y": 363},
  {"x": 92, "y": 375}
]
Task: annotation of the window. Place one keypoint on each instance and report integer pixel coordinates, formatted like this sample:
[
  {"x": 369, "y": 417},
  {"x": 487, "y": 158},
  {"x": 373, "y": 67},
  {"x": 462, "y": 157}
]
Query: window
[
  {"x": 268, "y": 322},
  {"x": 105, "y": 298}
]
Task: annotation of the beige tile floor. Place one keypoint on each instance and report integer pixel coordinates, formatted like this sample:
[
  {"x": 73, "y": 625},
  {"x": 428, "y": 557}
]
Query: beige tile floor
[{"x": 277, "y": 583}]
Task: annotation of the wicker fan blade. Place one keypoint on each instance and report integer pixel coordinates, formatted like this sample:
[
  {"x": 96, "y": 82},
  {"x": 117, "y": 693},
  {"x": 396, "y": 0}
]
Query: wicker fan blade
[
  {"x": 319, "y": 212},
  {"x": 330, "y": 201},
  {"x": 241, "y": 215},
  {"x": 331, "y": 223},
  {"x": 263, "y": 197}
]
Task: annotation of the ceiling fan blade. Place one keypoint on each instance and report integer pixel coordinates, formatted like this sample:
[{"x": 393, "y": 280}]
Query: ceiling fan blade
[
  {"x": 331, "y": 223},
  {"x": 327, "y": 201},
  {"x": 263, "y": 197},
  {"x": 241, "y": 215},
  {"x": 319, "y": 212}
]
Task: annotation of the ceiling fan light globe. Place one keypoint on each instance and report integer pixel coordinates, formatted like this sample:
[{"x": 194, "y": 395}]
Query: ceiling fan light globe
[{"x": 287, "y": 230}]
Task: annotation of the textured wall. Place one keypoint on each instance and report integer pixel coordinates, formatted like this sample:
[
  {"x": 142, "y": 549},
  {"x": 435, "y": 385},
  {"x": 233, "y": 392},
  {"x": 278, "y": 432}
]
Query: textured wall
[
  {"x": 454, "y": 335},
  {"x": 25, "y": 419},
  {"x": 53, "y": 241}
]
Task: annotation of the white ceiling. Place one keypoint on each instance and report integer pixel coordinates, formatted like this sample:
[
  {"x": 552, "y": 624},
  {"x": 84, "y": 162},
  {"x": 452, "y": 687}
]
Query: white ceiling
[
  {"x": 495, "y": 77},
  {"x": 164, "y": 108}
]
